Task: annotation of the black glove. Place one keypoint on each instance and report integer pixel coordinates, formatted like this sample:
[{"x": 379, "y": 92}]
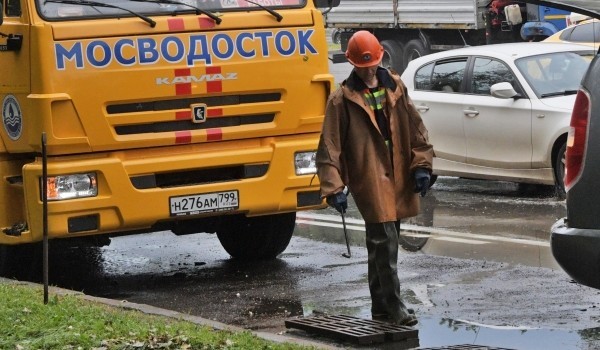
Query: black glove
[
  {"x": 422, "y": 181},
  {"x": 339, "y": 201}
]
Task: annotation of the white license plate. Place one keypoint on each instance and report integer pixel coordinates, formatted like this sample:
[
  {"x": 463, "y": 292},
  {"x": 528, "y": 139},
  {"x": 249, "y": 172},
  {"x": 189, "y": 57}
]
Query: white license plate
[{"x": 204, "y": 203}]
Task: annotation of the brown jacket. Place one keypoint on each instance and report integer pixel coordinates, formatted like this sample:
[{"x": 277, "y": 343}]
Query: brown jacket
[{"x": 353, "y": 152}]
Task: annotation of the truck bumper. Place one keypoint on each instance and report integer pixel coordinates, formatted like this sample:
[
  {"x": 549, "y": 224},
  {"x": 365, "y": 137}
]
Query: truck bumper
[
  {"x": 577, "y": 251},
  {"x": 135, "y": 187}
]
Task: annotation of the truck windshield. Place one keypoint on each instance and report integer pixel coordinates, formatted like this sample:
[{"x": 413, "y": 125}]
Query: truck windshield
[{"x": 57, "y": 10}]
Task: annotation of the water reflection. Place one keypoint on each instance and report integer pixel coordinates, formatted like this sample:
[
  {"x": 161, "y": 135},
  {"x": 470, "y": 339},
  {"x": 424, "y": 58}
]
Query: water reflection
[
  {"x": 439, "y": 332},
  {"x": 463, "y": 218}
]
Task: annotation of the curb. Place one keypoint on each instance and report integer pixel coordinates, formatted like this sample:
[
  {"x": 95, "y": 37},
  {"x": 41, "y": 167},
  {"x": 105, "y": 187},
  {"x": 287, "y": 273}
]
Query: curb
[{"x": 152, "y": 310}]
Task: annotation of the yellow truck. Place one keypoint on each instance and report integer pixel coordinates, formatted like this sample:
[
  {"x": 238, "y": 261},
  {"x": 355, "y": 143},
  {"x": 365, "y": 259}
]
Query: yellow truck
[{"x": 189, "y": 115}]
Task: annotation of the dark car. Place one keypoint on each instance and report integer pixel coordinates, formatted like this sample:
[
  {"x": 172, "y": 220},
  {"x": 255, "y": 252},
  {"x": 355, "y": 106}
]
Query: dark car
[{"x": 575, "y": 239}]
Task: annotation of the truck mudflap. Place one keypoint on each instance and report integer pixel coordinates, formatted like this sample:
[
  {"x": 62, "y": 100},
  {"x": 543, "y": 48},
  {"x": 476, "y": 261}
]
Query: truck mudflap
[
  {"x": 138, "y": 188},
  {"x": 577, "y": 251}
]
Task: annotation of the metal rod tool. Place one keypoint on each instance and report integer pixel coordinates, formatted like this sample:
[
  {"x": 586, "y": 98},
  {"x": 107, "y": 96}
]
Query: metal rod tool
[{"x": 349, "y": 254}]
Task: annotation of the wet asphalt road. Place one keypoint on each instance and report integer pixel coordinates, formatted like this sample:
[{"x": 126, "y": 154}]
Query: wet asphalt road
[
  {"x": 484, "y": 274},
  {"x": 478, "y": 270}
]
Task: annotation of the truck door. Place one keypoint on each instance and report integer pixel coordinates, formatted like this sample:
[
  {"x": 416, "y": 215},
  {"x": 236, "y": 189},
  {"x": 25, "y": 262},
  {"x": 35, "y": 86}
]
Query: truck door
[
  {"x": 14, "y": 50},
  {"x": 542, "y": 21},
  {"x": 15, "y": 84}
]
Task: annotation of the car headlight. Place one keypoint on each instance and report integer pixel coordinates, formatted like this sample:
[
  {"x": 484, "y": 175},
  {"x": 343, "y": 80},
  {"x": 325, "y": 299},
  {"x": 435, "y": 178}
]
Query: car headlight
[
  {"x": 72, "y": 186},
  {"x": 305, "y": 163}
]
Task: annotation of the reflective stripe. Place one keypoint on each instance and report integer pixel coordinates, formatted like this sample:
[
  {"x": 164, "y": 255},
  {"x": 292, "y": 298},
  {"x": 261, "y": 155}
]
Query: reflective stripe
[{"x": 375, "y": 100}]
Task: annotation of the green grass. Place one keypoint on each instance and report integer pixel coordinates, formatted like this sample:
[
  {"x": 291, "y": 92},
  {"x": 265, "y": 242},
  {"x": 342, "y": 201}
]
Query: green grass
[{"x": 70, "y": 322}]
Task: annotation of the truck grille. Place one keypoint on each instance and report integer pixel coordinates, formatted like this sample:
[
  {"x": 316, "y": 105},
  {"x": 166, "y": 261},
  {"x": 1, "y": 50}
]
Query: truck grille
[
  {"x": 182, "y": 125},
  {"x": 184, "y": 103}
]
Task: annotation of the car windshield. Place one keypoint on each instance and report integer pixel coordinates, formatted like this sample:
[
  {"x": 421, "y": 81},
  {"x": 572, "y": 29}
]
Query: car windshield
[
  {"x": 55, "y": 10},
  {"x": 555, "y": 74}
]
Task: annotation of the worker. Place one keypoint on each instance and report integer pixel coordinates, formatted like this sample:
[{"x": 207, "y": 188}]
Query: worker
[{"x": 374, "y": 141}]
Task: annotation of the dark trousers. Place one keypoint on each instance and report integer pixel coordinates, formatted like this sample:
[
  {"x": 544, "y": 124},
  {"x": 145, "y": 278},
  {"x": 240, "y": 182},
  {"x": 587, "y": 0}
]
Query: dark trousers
[{"x": 384, "y": 285}]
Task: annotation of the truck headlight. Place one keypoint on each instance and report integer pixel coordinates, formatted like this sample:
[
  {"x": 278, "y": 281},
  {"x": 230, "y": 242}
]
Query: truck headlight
[
  {"x": 72, "y": 186},
  {"x": 305, "y": 163}
]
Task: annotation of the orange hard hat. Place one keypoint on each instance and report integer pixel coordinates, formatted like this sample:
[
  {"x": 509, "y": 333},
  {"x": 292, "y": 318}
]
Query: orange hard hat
[{"x": 364, "y": 49}]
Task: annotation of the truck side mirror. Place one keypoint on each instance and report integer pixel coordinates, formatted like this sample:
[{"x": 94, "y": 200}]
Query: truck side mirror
[{"x": 327, "y": 3}]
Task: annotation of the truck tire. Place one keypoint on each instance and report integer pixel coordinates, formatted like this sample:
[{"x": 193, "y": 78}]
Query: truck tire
[
  {"x": 392, "y": 55},
  {"x": 336, "y": 36},
  {"x": 21, "y": 261},
  {"x": 256, "y": 238},
  {"x": 414, "y": 49}
]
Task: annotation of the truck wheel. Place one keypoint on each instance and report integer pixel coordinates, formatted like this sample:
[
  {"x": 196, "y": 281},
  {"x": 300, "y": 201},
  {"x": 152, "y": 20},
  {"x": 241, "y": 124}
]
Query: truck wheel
[
  {"x": 256, "y": 238},
  {"x": 414, "y": 49},
  {"x": 559, "y": 171},
  {"x": 392, "y": 55},
  {"x": 336, "y": 36},
  {"x": 20, "y": 261}
]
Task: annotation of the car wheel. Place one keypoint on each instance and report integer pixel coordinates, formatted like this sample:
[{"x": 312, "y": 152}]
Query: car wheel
[
  {"x": 559, "y": 171},
  {"x": 414, "y": 49},
  {"x": 392, "y": 55},
  {"x": 432, "y": 180},
  {"x": 256, "y": 238},
  {"x": 408, "y": 241}
]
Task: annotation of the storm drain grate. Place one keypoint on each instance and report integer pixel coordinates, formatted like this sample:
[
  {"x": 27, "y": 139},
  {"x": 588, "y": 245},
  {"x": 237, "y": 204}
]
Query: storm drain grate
[
  {"x": 466, "y": 347},
  {"x": 349, "y": 328}
]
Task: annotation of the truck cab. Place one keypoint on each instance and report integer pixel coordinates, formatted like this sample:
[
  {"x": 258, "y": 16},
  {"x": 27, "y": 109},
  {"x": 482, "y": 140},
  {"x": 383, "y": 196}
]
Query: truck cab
[
  {"x": 160, "y": 115},
  {"x": 542, "y": 21}
]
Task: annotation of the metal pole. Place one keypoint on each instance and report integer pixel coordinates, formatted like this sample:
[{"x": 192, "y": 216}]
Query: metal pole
[
  {"x": 349, "y": 255},
  {"x": 45, "y": 216}
]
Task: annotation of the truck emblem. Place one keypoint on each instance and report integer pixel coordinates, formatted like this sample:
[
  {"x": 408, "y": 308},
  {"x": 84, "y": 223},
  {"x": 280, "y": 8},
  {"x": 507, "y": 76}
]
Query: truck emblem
[
  {"x": 12, "y": 117},
  {"x": 196, "y": 78},
  {"x": 198, "y": 112}
]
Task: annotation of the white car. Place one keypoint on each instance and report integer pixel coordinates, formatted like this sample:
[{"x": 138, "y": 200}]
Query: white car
[{"x": 499, "y": 112}]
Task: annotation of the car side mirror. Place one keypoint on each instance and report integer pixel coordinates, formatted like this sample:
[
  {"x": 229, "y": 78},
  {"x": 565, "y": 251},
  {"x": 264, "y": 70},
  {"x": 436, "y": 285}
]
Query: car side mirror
[{"x": 504, "y": 90}]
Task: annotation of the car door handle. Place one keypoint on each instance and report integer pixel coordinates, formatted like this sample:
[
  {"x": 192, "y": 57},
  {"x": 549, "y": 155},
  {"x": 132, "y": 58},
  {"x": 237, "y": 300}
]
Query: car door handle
[
  {"x": 422, "y": 108},
  {"x": 471, "y": 113}
]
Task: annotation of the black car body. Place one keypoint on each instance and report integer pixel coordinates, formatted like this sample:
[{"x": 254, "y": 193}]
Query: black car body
[{"x": 575, "y": 240}]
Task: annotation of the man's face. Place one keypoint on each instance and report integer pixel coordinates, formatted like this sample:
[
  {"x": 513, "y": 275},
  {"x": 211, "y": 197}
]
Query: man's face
[{"x": 366, "y": 73}]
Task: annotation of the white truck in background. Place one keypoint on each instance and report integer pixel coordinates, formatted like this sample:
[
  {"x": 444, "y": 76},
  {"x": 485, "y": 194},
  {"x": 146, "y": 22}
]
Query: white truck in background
[{"x": 411, "y": 28}]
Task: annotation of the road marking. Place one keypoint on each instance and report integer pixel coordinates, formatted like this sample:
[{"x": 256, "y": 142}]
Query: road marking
[{"x": 327, "y": 220}]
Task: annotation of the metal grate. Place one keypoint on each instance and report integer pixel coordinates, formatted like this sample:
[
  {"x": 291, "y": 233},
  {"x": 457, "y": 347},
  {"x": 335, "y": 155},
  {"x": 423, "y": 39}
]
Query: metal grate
[
  {"x": 466, "y": 347},
  {"x": 353, "y": 329}
]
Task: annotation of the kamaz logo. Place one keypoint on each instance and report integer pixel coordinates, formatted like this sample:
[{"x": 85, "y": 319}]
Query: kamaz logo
[{"x": 196, "y": 79}]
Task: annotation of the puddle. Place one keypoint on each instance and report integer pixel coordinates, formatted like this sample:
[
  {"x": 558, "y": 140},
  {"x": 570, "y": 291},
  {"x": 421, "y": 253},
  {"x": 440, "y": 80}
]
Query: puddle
[
  {"x": 445, "y": 332},
  {"x": 435, "y": 332}
]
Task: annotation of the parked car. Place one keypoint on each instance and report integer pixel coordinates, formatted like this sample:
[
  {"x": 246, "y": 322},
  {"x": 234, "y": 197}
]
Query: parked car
[
  {"x": 586, "y": 32},
  {"x": 575, "y": 239},
  {"x": 499, "y": 112}
]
